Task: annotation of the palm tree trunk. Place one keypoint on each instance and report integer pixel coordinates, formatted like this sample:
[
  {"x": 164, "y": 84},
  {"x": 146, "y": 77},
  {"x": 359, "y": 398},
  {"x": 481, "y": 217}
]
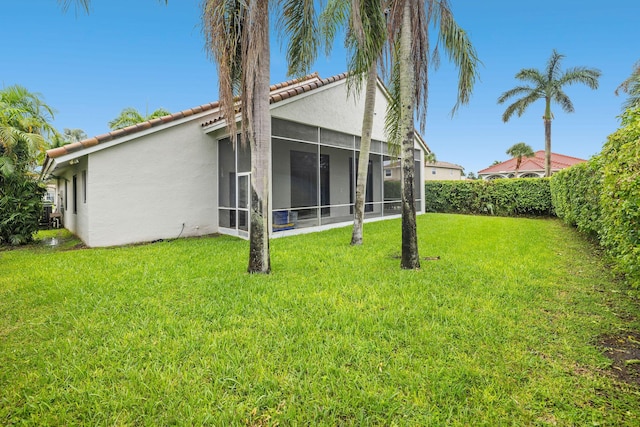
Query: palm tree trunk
[
  {"x": 410, "y": 258},
  {"x": 260, "y": 140},
  {"x": 547, "y": 138},
  {"x": 365, "y": 146},
  {"x": 547, "y": 147}
]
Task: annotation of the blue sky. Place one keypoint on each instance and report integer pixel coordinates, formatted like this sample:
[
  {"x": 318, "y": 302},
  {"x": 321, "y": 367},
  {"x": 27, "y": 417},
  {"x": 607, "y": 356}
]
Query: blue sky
[{"x": 143, "y": 54}]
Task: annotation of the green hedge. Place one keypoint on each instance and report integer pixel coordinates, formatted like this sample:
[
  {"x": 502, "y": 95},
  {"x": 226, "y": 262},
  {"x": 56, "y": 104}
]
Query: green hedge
[
  {"x": 504, "y": 197},
  {"x": 602, "y": 197},
  {"x": 575, "y": 193}
]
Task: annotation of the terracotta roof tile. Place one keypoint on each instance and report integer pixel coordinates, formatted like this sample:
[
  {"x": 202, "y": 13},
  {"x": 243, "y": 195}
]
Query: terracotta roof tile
[
  {"x": 289, "y": 89},
  {"x": 536, "y": 163}
]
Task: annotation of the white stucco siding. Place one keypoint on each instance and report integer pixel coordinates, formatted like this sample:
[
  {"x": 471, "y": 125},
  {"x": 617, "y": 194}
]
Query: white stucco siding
[
  {"x": 148, "y": 188},
  {"x": 330, "y": 108}
]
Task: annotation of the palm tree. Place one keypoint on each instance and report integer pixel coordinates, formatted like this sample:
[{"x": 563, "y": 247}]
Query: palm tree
[
  {"x": 24, "y": 126},
  {"x": 547, "y": 85},
  {"x": 408, "y": 29},
  {"x": 365, "y": 40},
  {"x": 130, "y": 116},
  {"x": 74, "y": 135},
  {"x": 518, "y": 151},
  {"x": 237, "y": 37},
  {"x": 631, "y": 86}
]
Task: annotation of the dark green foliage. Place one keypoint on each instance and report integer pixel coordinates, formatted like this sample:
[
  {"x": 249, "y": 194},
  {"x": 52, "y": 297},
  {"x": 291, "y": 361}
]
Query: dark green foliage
[
  {"x": 575, "y": 193},
  {"x": 392, "y": 190},
  {"x": 503, "y": 197},
  {"x": 620, "y": 199},
  {"x": 602, "y": 197},
  {"x": 20, "y": 208}
]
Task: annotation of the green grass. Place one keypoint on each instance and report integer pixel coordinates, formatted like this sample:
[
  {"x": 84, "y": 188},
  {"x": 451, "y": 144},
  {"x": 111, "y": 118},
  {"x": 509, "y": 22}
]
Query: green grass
[{"x": 502, "y": 330}]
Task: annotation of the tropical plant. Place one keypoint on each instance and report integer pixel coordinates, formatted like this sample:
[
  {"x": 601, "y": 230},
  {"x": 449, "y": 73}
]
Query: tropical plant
[
  {"x": 518, "y": 151},
  {"x": 74, "y": 135},
  {"x": 130, "y": 116},
  {"x": 631, "y": 86},
  {"x": 24, "y": 123},
  {"x": 548, "y": 85},
  {"x": 408, "y": 30},
  {"x": 430, "y": 157},
  {"x": 237, "y": 37}
]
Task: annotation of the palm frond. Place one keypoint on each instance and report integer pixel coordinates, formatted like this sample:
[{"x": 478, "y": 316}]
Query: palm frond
[
  {"x": 333, "y": 17},
  {"x": 563, "y": 100},
  {"x": 553, "y": 71},
  {"x": 392, "y": 117},
  {"x": 223, "y": 23},
  {"x": 461, "y": 52},
  {"x": 518, "y": 90},
  {"x": 583, "y": 75},
  {"x": 531, "y": 75},
  {"x": 519, "y": 106},
  {"x": 299, "y": 24},
  {"x": 365, "y": 51}
]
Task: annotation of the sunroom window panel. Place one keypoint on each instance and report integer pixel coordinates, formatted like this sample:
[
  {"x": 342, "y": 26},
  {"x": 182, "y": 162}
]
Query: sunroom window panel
[{"x": 293, "y": 130}]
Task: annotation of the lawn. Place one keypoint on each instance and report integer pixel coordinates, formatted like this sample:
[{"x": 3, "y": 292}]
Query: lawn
[{"x": 502, "y": 329}]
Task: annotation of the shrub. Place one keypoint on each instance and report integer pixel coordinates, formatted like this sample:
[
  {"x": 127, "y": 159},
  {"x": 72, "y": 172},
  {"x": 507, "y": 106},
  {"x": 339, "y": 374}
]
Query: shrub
[
  {"x": 602, "y": 196},
  {"x": 575, "y": 193},
  {"x": 504, "y": 197},
  {"x": 620, "y": 199},
  {"x": 20, "y": 208}
]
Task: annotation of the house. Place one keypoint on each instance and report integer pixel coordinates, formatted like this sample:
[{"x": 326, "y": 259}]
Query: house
[
  {"x": 443, "y": 171},
  {"x": 530, "y": 167},
  {"x": 182, "y": 175},
  {"x": 433, "y": 171}
]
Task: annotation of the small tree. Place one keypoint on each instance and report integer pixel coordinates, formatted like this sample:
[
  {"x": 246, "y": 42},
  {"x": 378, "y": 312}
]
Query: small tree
[{"x": 518, "y": 151}]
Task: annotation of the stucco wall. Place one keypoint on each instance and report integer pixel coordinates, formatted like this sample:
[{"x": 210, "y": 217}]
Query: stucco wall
[
  {"x": 147, "y": 188},
  {"x": 331, "y": 109},
  {"x": 442, "y": 173}
]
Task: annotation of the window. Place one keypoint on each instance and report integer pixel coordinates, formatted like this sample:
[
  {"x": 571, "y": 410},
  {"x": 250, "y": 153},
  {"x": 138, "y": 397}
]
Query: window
[
  {"x": 84, "y": 186},
  {"x": 304, "y": 180},
  {"x": 433, "y": 171},
  {"x": 66, "y": 195},
  {"x": 387, "y": 172},
  {"x": 75, "y": 194}
]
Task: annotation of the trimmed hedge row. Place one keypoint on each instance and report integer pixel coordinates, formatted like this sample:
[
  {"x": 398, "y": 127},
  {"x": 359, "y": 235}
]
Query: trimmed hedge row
[
  {"x": 504, "y": 197},
  {"x": 602, "y": 197}
]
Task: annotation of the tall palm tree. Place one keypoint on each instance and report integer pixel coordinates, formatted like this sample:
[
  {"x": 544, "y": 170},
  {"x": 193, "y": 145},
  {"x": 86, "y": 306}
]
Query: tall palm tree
[
  {"x": 631, "y": 86},
  {"x": 518, "y": 151},
  {"x": 130, "y": 116},
  {"x": 547, "y": 85},
  {"x": 408, "y": 29},
  {"x": 365, "y": 40},
  {"x": 237, "y": 37}
]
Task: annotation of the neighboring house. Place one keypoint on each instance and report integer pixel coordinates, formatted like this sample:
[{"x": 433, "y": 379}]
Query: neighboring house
[
  {"x": 443, "y": 171},
  {"x": 180, "y": 175},
  {"x": 530, "y": 167},
  {"x": 438, "y": 171}
]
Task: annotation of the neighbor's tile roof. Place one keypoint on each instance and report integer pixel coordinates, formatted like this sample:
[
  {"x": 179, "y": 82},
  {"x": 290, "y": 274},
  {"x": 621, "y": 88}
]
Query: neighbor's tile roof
[
  {"x": 443, "y": 165},
  {"x": 279, "y": 92},
  {"x": 536, "y": 163}
]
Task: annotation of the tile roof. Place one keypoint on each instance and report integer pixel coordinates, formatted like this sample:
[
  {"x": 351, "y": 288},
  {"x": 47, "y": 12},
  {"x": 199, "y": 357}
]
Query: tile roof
[
  {"x": 279, "y": 92},
  {"x": 536, "y": 163},
  {"x": 443, "y": 165}
]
